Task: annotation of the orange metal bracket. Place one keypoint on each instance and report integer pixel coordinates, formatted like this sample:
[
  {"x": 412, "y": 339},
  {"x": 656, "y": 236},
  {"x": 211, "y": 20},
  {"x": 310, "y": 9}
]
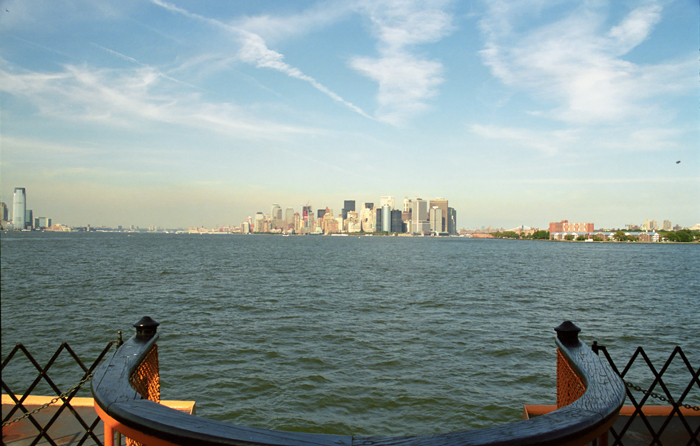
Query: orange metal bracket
[{"x": 112, "y": 425}]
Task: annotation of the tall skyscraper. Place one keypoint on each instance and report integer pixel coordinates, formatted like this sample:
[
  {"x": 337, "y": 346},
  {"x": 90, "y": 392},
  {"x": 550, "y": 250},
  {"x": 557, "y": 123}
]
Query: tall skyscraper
[
  {"x": 396, "y": 221},
  {"x": 436, "y": 220},
  {"x": 19, "y": 208},
  {"x": 386, "y": 201},
  {"x": 386, "y": 218},
  {"x": 259, "y": 222},
  {"x": 367, "y": 216},
  {"x": 276, "y": 216},
  {"x": 442, "y": 204},
  {"x": 4, "y": 211},
  {"x": 419, "y": 224},
  {"x": 289, "y": 218},
  {"x": 451, "y": 221},
  {"x": 298, "y": 223},
  {"x": 407, "y": 205},
  {"x": 306, "y": 212},
  {"x": 348, "y": 206}
]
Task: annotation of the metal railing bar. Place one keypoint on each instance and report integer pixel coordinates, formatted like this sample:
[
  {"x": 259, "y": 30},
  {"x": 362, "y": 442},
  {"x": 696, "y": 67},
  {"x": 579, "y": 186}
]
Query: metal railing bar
[
  {"x": 694, "y": 376},
  {"x": 76, "y": 358},
  {"x": 675, "y": 407},
  {"x": 71, "y": 409},
  {"x": 43, "y": 372},
  {"x": 638, "y": 406},
  {"x": 91, "y": 433},
  {"x": 638, "y": 411},
  {"x": 66, "y": 402},
  {"x": 658, "y": 380},
  {"x": 42, "y": 431},
  {"x": 10, "y": 356}
]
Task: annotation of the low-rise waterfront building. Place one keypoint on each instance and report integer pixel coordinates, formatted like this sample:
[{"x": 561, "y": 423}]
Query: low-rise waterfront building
[
  {"x": 565, "y": 226},
  {"x": 605, "y": 236},
  {"x": 42, "y": 223}
]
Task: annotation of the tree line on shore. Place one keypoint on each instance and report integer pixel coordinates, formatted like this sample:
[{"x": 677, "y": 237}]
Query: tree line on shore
[{"x": 682, "y": 236}]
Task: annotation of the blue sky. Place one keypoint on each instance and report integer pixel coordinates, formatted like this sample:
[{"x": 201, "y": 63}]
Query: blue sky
[{"x": 187, "y": 113}]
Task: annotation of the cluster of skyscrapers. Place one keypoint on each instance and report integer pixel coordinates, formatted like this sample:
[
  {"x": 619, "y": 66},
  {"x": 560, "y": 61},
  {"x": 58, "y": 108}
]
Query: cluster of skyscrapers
[
  {"x": 652, "y": 225},
  {"x": 22, "y": 218},
  {"x": 416, "y": 216}
]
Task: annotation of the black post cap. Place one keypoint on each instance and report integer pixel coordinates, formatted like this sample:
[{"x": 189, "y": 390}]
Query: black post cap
[
  {"x": 567, "y": 333},
  {"x": 146, "y": 327}
]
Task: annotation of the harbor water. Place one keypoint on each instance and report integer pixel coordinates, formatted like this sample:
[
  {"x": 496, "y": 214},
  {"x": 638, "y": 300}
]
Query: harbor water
[{"x": 348, "y": 335}]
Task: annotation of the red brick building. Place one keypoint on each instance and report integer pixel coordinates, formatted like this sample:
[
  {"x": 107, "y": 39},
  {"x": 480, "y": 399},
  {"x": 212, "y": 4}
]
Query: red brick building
[{"x": 565, "y": 226}]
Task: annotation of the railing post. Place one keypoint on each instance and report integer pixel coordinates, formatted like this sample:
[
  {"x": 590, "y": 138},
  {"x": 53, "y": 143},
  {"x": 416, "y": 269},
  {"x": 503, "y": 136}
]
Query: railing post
[
  {"x": 146, "y": 379},
  {"x": 109, "y": 435},
  {"x": 569, "y": 385},
  {"x": 146, "y": 327},
  {"x": 567, "y": 333}
]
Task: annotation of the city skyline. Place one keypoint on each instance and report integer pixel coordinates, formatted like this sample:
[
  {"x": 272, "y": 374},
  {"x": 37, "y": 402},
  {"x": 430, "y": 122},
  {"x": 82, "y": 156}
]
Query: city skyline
[
  {"x": 178, "y": 114},
  {"x": 420, "y": 212}
]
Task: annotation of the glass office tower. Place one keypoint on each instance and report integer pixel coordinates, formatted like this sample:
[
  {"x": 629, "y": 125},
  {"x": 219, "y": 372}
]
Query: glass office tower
[{"x": 19, "y": 208}]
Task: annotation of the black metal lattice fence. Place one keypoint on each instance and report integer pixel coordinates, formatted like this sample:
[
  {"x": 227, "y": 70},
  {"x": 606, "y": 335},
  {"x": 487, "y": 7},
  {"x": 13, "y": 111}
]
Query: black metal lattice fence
[
  {"x": 671, "y": 393},
  {"x": 43, "y": 382}
]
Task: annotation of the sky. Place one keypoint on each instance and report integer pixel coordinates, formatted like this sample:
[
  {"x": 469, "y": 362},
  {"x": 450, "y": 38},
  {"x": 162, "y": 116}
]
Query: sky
[{"x": 184, "y": 113}]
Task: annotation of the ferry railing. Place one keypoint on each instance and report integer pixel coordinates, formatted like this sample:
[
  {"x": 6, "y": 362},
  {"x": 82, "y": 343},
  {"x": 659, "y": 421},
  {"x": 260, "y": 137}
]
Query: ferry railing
[
  {"x": 678, "y": 412},
  {"x": 20, "y": 402},
  {"x": 125, "y": 388}
]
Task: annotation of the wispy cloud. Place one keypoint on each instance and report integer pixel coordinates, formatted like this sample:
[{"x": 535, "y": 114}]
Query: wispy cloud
[
  {"x": 576, "y": 61},
  {"x": 254, "y": 50},
  {"x": 282, "y": 27},
  {"x": 405, "y": 83},
  {"x": 547, "y": 142},
  {"x": 131, "y": 98},
  {"x": 405, "y": 80},
  {"x": 399, "y": 23},
  {"x": 579, "y": 140},
  {"x": 132, "y": 60},
  {"x": 42, "y": 148},
  {"x": 591, "y": 181},
  {"x": 118, "y": 54}
]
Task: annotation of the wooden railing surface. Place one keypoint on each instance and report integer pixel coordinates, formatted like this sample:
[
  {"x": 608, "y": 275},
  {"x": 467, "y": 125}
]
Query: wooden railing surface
[{"x": 148, "y": 422}]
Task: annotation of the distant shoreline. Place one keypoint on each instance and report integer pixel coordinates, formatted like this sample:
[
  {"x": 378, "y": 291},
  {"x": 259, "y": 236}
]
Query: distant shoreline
[{"x": 358, "y": 235}]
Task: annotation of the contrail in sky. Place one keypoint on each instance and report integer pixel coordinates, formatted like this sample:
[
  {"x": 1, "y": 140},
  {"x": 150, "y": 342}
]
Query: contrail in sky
[
  {"x": 255, "y": 51},
  {"x": 131, "y": 59}
]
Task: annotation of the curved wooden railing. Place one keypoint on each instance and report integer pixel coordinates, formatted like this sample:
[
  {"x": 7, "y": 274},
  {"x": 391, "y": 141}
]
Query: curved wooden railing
[{"x": 126, "y": 410}]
